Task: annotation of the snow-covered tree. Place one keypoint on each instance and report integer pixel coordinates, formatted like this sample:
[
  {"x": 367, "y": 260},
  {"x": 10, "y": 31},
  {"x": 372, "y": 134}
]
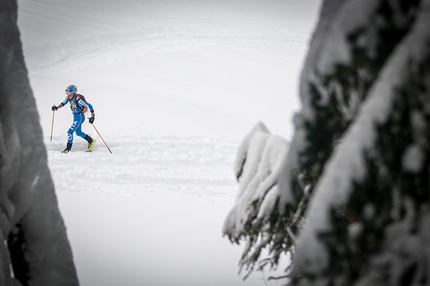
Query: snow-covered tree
[
  {"x": 35, "y": 248},
  {"x": 260, "y": 166},
  {"x": 354, "y": 186}
]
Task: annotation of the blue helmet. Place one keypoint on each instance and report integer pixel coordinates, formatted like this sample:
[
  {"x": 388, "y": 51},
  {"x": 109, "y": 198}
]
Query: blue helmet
[{"x": 72, "y": 88}]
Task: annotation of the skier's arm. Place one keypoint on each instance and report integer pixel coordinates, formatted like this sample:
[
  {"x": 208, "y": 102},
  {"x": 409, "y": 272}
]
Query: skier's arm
[
  {"x": 93, "y": 115},
  {"x": 60, "y": 105},
  {"x": 55, "y": 107},
  {"x": 88, "y": 105}
]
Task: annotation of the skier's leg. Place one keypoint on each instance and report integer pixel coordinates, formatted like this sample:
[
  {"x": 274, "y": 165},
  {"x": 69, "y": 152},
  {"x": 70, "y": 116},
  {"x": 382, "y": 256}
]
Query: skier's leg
[
  {"x": 70, "y": 135},
  {"x": 80, "y": 133}
]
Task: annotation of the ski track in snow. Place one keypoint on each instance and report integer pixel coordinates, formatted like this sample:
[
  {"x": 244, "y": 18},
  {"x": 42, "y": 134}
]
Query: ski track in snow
[
  {"x": 197, "y": 166},
  {"x": 121, "y": 50},
  {"x": 94, "y": 40}
]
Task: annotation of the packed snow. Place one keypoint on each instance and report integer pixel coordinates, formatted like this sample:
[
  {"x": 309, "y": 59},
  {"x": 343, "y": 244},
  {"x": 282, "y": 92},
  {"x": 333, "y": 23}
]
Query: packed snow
[{"x": 175, "y": 85}]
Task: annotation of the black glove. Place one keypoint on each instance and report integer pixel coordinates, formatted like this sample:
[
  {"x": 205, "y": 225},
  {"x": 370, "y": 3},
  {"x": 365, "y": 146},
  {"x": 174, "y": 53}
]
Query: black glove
[
  {"x": 54, "y": 108},
  {"x": 92, "y": 118}
]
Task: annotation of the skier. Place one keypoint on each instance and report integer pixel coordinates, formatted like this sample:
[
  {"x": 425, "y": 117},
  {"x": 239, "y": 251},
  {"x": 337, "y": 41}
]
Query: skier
[{"x": 79, "y": 107}]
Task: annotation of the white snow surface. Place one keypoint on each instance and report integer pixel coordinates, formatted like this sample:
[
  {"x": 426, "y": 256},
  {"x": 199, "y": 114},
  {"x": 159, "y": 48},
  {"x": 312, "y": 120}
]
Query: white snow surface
[{"x": 175, "y": 85}]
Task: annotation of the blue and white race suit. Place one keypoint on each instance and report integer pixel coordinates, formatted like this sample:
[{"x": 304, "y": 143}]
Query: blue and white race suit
[{"x": 79, "y": 106}]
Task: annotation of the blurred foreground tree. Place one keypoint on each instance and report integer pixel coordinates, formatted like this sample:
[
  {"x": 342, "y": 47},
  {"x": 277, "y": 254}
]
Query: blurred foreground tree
[
  {"x": 350, "y": 199},
  {"x": 35, "y": 250}
]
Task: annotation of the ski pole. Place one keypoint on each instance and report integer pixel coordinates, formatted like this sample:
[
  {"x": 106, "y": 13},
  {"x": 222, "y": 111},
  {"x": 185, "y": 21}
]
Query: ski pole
[
  {"x": 101, "y": 137},
  {"x": 52, "y": 125}
]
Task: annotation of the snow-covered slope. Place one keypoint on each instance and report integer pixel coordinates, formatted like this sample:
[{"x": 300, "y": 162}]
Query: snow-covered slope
[
  {"x": 178, "y": 66},
  {"x": 175, "y": 86},
  {"x": 141, "y": 164}
]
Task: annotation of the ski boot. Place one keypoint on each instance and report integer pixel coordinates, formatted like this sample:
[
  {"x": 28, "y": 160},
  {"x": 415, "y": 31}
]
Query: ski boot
[
  {"x": 68, "y": 148},
  {"x": 91, "y": 143}
]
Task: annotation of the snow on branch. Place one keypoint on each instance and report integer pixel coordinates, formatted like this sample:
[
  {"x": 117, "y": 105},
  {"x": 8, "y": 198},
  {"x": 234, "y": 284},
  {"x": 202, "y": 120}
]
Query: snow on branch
[
  {"x": 347, "y": 164},
  {"x": 260, "y": 168}
]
